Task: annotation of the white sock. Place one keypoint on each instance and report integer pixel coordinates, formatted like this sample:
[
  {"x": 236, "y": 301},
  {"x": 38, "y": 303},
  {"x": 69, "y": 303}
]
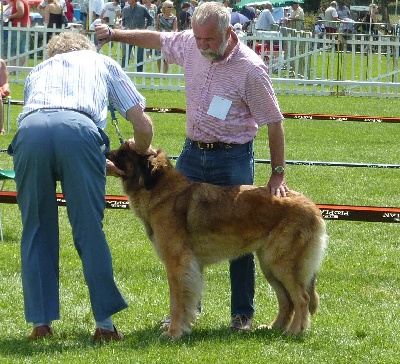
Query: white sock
[
  {"x": 37, "y": 324},
  {"x": 106, "y": 324}
]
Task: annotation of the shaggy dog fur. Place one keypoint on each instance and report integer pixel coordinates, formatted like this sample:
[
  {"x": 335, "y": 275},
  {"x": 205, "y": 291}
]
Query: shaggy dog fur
[{"x": 192, "y": 225}]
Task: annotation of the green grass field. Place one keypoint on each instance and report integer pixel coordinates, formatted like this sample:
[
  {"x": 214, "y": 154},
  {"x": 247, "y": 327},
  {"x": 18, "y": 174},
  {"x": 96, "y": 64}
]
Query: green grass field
[{"x": 359, "y": 318}]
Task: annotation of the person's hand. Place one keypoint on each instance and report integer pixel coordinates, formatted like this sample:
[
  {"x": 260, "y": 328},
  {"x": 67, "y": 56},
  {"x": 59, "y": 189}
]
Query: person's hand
[
  {"x": 4, "y": 91},
  {"x": 112, "y": 170},
  {"x": 103, "y": 34},
  {"x": 277, "y": 185},
  {"x": 132, "y": 144}
]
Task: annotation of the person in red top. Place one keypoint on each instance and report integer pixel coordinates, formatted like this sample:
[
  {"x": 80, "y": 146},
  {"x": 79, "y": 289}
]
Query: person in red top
[
  {"x": 4, "y": 91},
  {"x": 70, "y": 10},
  {"x": 19, "y": 15}
]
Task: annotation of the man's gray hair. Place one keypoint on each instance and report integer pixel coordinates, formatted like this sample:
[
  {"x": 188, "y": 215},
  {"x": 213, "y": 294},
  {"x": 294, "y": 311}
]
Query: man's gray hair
[
  {"x": 268, "y": 5},
  {"x": 213, "y": 9},
  {"x": 68, "y": 42}
]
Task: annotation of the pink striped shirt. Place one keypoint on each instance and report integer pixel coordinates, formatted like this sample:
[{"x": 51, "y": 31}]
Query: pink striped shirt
[{"x": 242, "y": 78}]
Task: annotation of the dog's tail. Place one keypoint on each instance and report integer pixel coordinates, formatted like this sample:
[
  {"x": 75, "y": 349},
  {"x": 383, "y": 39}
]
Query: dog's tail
[{"x": 314, "y": 298}]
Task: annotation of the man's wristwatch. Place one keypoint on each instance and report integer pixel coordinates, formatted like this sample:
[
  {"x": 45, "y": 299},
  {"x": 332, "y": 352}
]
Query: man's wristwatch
[{"x": 278, "y": 169}]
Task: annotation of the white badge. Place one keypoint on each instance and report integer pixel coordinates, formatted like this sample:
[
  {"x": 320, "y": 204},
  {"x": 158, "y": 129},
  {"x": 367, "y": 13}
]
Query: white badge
[{"x": 219, "y": 107}]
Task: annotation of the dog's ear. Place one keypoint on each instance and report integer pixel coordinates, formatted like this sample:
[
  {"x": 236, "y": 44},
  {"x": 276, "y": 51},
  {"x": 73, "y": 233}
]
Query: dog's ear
[{"x": 151, "y": 170}]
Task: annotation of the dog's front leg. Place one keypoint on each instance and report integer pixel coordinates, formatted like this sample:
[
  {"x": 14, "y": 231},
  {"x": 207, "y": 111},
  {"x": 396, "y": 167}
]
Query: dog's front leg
[
  {"x": 185, "y": 280},
  {"x": 176, "y": 303}
]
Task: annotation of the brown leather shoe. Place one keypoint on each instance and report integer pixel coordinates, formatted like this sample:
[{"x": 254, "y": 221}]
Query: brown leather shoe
[
  {"x": 101, "y": 335},
  {"x": 40, "y": 332}
]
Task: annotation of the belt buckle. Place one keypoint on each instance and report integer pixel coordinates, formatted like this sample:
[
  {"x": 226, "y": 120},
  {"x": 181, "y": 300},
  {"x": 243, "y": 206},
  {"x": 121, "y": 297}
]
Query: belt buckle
[
  {"x": 205, "y": 146},
  {"x": 209, "y": 146}
]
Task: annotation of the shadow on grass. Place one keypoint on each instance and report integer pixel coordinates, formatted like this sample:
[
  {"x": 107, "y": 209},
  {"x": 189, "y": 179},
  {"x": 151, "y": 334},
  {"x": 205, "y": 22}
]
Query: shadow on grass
[{"x": 136, "y": 340}]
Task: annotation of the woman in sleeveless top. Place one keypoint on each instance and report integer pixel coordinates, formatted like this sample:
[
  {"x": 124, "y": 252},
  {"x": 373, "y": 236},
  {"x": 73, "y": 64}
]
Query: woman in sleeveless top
[
  {"x": 166, "y": 22},
  {"x": 53, "y": 16}
]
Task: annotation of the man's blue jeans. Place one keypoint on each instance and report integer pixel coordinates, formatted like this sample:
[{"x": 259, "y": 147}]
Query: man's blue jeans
[{"x": 226, "y": 167}]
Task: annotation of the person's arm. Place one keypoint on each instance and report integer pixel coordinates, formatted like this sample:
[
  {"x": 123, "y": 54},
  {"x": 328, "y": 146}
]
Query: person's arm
[
  {"x": 4, "y": 86},
  {"x": 41, "y": 7},
  {"x": 141, "y": 142},
  {"x": 46, "y": 14},
  {"x": 142, "y": 128},
  {"x": 142, "y": 38},
  {"x": 102, "y": 13},
  {"x": 175, "y": 28},
  {"x": 142, "y": 137},
  {"x": 276, "y": 136},
  {"x": 270, "y": 18},
  {"x": 97, "y": 9},
  {"x": 335, "y": 16},
  {"x": 20, "y": 11}
]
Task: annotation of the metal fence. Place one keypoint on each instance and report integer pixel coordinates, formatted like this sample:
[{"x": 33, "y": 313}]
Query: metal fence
[{"x": 299, "y": 62}]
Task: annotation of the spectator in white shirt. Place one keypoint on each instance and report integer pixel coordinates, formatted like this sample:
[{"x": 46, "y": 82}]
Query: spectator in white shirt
[
  {"x": 265, "y": 20},
  {"x": 111, "y": 10},
  {"x": 97, "y": 8}
]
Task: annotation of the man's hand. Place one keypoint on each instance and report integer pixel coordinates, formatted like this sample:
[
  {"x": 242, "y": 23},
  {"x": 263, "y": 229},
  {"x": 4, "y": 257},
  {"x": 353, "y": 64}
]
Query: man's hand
[
  {"x": 149, "y": 151},
  {"x": 5, "y": 91},
  {"x": 112, "y": 170},
  {"x": 277, "y": 185},
  {"x": 103, "y": 34}
]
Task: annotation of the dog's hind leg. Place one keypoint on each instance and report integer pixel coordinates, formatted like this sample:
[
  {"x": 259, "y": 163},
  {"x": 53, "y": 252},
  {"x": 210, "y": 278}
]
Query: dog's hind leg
[
  {"x": 301, "y": 300},
  {"x": 314, "y": 298},
  {"x": 285, "y": 304},
  {"x": 292, "y": 295}
]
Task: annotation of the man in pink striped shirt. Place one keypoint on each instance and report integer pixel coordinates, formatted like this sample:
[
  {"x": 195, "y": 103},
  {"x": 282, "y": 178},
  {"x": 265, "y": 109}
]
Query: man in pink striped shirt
[{"x": 229, "y": 96}]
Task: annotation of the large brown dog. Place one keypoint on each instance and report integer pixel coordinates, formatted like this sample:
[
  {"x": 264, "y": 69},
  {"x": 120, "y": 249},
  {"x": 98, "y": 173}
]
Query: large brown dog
[{"x": 192, "y": 225}]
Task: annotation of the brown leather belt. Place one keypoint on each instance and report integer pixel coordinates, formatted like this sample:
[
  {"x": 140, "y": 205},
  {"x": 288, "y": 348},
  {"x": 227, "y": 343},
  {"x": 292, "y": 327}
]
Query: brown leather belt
[{"x": 211, "y": 146}]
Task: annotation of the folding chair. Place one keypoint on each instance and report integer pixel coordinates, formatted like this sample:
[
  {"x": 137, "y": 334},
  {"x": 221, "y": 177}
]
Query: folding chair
[{"x": 5, "y": 174}]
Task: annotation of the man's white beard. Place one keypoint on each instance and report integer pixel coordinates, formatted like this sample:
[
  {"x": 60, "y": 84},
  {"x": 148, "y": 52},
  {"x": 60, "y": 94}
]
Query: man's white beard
[{"x": 214, "y": 55}]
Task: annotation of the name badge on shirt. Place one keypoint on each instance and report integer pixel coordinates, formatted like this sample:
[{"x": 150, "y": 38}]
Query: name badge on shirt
[{"x": 219, "y": 107}]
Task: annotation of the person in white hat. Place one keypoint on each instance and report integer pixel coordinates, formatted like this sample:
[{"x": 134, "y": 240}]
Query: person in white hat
[{"x": 238, "y": 30}]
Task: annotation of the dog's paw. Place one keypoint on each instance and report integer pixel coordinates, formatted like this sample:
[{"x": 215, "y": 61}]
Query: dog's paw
[{"x": 170, "y": 335}]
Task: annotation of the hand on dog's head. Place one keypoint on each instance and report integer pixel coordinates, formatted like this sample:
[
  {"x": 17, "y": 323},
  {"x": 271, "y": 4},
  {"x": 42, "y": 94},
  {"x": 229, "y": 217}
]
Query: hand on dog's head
[{"x": 139, "y": 169}]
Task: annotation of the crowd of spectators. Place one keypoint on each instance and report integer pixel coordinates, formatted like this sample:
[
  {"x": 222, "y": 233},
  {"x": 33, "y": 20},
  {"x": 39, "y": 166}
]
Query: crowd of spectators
[{"x": 152, "y": 14}]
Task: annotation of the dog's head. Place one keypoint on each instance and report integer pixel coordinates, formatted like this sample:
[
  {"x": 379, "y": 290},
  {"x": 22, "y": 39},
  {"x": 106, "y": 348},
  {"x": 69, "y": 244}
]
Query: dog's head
[{"x": 140, "y": 170}]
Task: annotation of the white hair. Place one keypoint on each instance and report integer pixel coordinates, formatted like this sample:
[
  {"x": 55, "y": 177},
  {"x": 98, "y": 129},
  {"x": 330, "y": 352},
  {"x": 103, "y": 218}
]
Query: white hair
[{"x": 213, "y": 10}]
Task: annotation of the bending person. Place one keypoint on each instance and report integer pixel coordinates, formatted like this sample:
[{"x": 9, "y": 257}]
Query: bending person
[{"x": 60, "y": 139}]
